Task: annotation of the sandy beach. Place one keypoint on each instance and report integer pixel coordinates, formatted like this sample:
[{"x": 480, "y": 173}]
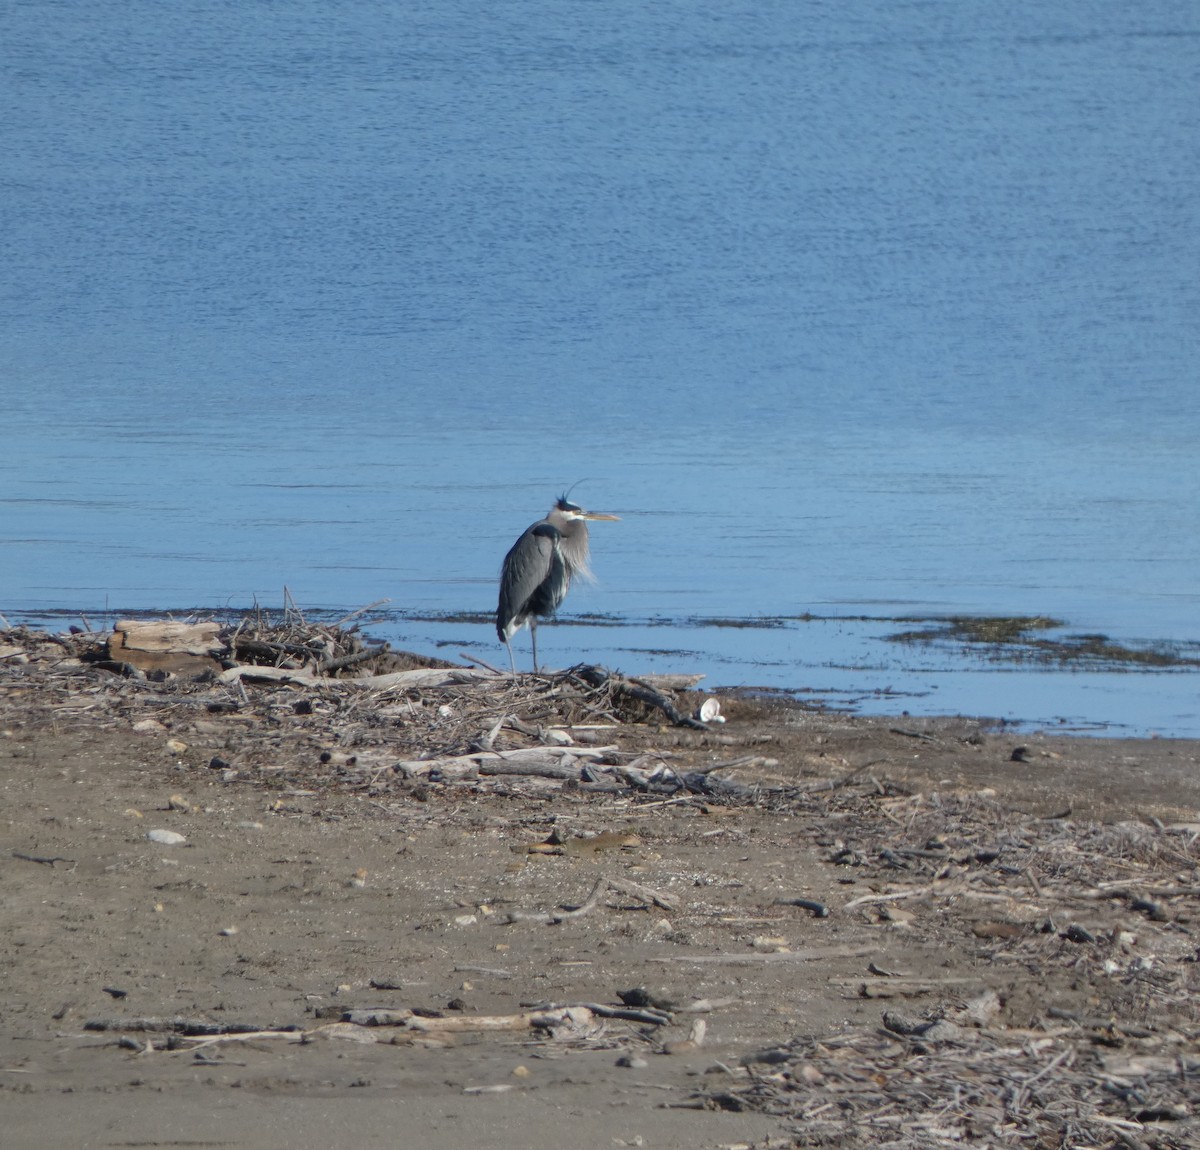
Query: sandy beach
[{"x": 788, "y": 929}]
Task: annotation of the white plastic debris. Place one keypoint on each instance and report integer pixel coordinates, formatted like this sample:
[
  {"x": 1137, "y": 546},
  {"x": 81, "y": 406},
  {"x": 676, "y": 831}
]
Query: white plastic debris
[{"x": 710, "y": 712}]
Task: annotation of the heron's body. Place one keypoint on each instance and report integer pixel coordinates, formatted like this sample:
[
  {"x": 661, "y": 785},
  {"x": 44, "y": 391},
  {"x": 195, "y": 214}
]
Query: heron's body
[{"x": 539, "y": 568}]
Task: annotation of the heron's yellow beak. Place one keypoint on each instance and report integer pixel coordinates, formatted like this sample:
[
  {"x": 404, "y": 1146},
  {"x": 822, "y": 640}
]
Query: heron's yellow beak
[{"x": 599, "y": 515}]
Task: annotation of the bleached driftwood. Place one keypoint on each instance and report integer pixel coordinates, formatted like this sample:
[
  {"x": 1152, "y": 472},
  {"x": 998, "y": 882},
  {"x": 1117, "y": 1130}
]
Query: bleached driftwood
[
  {"x": 670, "y": 682},
  {"x": 166, "y": 637},
  {"x": 546, "y": 1017},
  {"x": 271, "y": 675},
  {"x": 548, "y": 762},
  {"x": 810, "y": 954},
  {"x": 422, "y": 677},
  {"x": 396, "y": 680}
]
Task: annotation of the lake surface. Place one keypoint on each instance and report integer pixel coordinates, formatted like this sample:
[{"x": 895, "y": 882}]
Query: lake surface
[{"x": 855, "y": 312}]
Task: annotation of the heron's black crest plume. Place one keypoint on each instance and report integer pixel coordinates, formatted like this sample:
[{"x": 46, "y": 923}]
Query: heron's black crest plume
[{"x": 564, "y": 501}]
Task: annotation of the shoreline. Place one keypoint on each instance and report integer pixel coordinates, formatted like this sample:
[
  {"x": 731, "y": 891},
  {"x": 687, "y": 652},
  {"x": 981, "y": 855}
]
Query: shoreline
[{"x": 1028, "y": 673}]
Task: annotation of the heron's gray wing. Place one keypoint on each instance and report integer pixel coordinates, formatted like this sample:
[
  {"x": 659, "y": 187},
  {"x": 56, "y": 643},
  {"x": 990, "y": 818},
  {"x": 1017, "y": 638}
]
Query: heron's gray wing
[{"x": 527, "y": 567}]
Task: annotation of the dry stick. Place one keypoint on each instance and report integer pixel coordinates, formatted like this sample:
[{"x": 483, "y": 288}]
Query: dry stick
[
  {"x": 674, "y": 800},
  {"x": 484, "y": 664},
  {"x": 545, "y": 1019},
  {"x": 344, "y": 661},
  {"x": 198, "y": 1042},
  {"x": 1023, "y": 1085},
  {"x": 731, "y": 764},
  {"x": 866, "y": 898},
  {"x": 1130, "y": 1139},
  {"x": 563, "y": 766},
  {"x": 494, "y": 971},
  {"x": 630, "y": 1013},
  {"x": 515, "y": 723},
  {"x": 549, "y": 762},
  {"x": 704, "y": 1005},
  {"x": 836, "y": 784},
  {"x": 46, "y": 860},
  {"x": 184, "y": 1027},
  {"x": 648, "y": 896},
  {"x": 603, "y": 885},
  {"x": 813, "y": 954},
  {"x": 912, "y": 734},
  {"x": 360, "y": 611},
  {"x": 1109, "y": 1024},
  {"x": 552, "y": 1012},
  {"x": 486, "y": 742}
]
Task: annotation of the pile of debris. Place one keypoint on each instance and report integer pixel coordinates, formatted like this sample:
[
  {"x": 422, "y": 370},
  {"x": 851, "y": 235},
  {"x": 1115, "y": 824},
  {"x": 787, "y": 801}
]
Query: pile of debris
[{"x": 322, "y": 705}]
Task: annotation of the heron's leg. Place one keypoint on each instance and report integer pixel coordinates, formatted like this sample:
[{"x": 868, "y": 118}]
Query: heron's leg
[
  {"x": 533, "y": 638},
  {"x": 511, "y": 657}
]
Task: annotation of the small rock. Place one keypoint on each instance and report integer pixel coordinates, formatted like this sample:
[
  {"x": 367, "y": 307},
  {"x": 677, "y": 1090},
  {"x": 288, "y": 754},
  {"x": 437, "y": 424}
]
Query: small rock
[
  {"x": 944, "y": 1031},
  {"x": 166, "y": 838},
  {"x": 632, "y": 1062},
  {"x": 772, "y": 1056},
  {"x": 899, "y": 1023},
  {"x": 983, "y": 1008},
  {"x": 769, "y": 944}
]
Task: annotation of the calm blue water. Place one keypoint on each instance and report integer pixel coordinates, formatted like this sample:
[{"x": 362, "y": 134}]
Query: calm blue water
[{"x": 876, "y": 309}]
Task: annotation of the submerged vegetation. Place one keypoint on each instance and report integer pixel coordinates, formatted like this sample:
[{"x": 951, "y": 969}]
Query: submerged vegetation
[{"x": 1024, "y": 638}]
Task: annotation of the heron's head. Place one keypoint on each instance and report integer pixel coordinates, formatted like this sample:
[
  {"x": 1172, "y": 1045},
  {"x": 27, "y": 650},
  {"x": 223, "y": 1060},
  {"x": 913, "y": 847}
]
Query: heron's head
[{"x": 569, "y": 511}]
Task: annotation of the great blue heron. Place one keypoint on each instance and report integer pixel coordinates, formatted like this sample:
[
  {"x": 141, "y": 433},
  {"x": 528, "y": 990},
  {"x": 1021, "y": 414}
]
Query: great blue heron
[{"x": 539, "y": 568}]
